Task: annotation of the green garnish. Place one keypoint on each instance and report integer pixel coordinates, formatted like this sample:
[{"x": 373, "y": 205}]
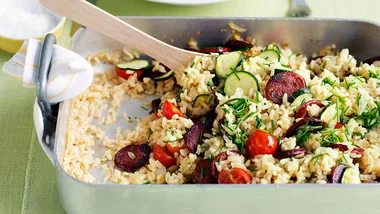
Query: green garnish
[
  {"x": 311, "y": 176},
  {"x": 148, "y": 182},
  {"x": 202, "y": 173},
  {"x": 150, "y": 132},
  {"x": 329, "y": 82},
  {"x": 316, "y": 157},
  {"x": 259, "y": 122},
  {"x": 143, "y": 107},
  {"x": 192, "y": 64},
  {"x": 179, "y": 96}
]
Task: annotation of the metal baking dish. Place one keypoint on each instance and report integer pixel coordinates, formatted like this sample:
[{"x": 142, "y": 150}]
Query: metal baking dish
[{"x": 302, "y": 35}]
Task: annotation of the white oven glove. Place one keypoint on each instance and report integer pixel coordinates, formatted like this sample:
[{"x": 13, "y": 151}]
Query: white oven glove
[{"x": 70, "y": 74}]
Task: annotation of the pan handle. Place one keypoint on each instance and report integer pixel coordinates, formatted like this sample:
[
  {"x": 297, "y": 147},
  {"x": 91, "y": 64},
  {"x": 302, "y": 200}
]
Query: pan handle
[{"x": 47, "y": 111}]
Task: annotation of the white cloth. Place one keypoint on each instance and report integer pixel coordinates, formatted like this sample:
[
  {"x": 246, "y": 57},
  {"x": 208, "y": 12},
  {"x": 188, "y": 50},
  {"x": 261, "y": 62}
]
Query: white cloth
[{"x": 70, "y": 74}]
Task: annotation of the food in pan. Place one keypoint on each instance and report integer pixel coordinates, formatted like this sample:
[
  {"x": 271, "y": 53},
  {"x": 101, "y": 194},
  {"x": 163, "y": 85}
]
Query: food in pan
[{"x": 244, "y": 114}]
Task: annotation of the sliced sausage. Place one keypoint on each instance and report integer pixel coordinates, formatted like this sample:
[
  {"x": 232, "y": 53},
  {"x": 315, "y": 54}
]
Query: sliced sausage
[
  {"x": 337, "y": 173},
  {"x": 238, "y": 44},
  {"x": 193, "y": 135},
  {"x": 155, "y": 104},
  {"x": 339, "y": 146},
  {"x": 283, "y": 83},
  {"x": 221, "y": 157},
  {"x": 202, "y": 173},
  {"x": 219, "y": 50},
  {"x": 309, "y": 121},
  {"x": 302, "y": 111},
  {"x": 289, "y": 153},
  {"x": 358, "y": 151},
  {"x": 132, "y": 157}
]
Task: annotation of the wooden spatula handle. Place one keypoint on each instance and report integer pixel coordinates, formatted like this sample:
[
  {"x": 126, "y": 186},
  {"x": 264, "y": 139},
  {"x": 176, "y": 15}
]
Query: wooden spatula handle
[{"x": 93, "y": 17}]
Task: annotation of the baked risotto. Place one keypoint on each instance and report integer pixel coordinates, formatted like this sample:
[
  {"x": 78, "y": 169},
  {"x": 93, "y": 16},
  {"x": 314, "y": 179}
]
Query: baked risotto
[{"x": 240, "y": 114}]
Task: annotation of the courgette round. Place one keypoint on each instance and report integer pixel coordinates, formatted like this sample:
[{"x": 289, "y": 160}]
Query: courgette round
[
  {"x": 299, "y": 93},
  {"x": 270, "y": 55},
  {"x": 135, "y": 65},
  {"x": 202, "y": 98},
  {"x": 165, "y": 76},
  {"x": 243, "y": 80},
  {"x": 329, "y": 112},
  {"x": 225, "y": 62}
]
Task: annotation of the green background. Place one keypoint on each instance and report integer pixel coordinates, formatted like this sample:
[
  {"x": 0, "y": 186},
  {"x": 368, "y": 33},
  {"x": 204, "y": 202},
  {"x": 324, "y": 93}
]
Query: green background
[{"x": 27, "y": 180}]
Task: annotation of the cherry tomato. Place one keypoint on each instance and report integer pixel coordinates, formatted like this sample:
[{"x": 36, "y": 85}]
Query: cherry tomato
[
  {"x": 168, "y": 110},
  {"x": 173, "y": 148},
  {"x": 162, "y": 154},
  {"x": 339, "y": 125},
  {"x": 123, "y": 74},
  {"x": 234, "y": 176},
  {"x": 260, "y": 143}
]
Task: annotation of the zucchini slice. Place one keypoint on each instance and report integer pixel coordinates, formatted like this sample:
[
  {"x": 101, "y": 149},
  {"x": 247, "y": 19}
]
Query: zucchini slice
[
  {"x": 350, "y": 176},
  {"x": 225, "y": 62},
  {"x": 270, "y": 55},
  {"x": 241, "y": 79},
  {"x": 329, "y": 112},
  {"x": 135, "y": 65},
  {"x": 165, "y": 76},
  {"x": 283, "y": 68},
  {"x": 202, "y": 98},
  {"x": 298, "y": 93}
]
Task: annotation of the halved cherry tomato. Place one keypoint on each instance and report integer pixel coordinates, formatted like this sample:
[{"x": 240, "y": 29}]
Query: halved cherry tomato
[
  {"x": 162, "y": 154},
  {"x": 155, "y": 116},
  {"x": 173, "y": 148},
  {"x": 168, "y": 110},
  {"x": 260, "y": 143},
  {"x": 123, "y": 73},
  {"x": 234, "y": 176},
  {"x": 338, "y": 125}
]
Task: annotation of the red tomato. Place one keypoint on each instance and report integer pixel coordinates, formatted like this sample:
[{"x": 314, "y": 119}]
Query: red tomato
[
  {"x": 168, "y": 110},
  {"x": 339, "y": 125},
  {"x": 260, "y": 143},
  {"x": 234, "y": 176},
  {"x": 173, "y": 148},
  {"x": 123, "y": 74},
  {"x": 162, "y": 154}
]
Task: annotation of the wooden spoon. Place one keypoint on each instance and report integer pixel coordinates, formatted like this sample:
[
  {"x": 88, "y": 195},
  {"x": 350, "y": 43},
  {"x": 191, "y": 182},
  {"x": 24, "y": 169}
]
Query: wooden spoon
[{"x": 93, "y": 17}]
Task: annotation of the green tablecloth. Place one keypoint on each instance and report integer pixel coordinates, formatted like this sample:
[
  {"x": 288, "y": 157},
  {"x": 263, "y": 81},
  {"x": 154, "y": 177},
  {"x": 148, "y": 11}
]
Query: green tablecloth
[{"x": 27, "y": 181}]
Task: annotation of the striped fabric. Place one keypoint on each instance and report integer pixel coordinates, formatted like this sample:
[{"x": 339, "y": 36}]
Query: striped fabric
[{"x": 70, "y": 74}]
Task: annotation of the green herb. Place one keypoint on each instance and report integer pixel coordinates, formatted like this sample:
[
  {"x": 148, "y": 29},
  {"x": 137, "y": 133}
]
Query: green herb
[
  {"x": 360, "y": 78},
  {"x": 266, "y": 58},
  {"x": 201, "y": 136},
  {"x": 185, "y": 73},
  {"x": 329, "y": 139},
  {"x": 303, "y": 161},
  {"x": 350, "y": 60},
  {"x": 211, "y": 157},
  {"x": 344, "y": 158},
  {"x": 179, "y": 96},
  {"x": 148, "y": 182},
  {"x": 226, "y": 110},
  {"x": 202, "y": 172},
  {"x": 203, "y": 118},
  {"x": 150, "y": 132},
  {"x": 179, "y": 166},
  {"x": 311, "y": 176},
  {"x": 297, "y": 55},
  {"x": 324, "y": 64},
  {"x": 160, "y": 106},
  {"x": 143, "y": 107},
  {"x": 348, "y": 84},
  {"x": 272, "y": 123},
  {"x": 358, "y": 134},
  {"x": 370, "y": 117},
  {"x": 257, "y": 96},
  {"x": 239, "y": 106},
  {"x": 206, "y": 146},
  {"x": 358, "y": 99},
  {"x": 329, "y": 82},
  {"x": 373, "y": 74},
  {"x": 316, "y": 157},
  {"x": 210, "y": 99},
  {"x": 220, "y": 91},
  {"x": 346, "y": 133},
  {"x": 210, "y": 85},
  {"x": 192, "y": 64},
  {"x": 259, "y": 122},
  {"x": 303, "y": 135},
  {"x": 361, "y": 64},
  {"x": 249, "y": 115},
  {"x": 234, "y": 72}
]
